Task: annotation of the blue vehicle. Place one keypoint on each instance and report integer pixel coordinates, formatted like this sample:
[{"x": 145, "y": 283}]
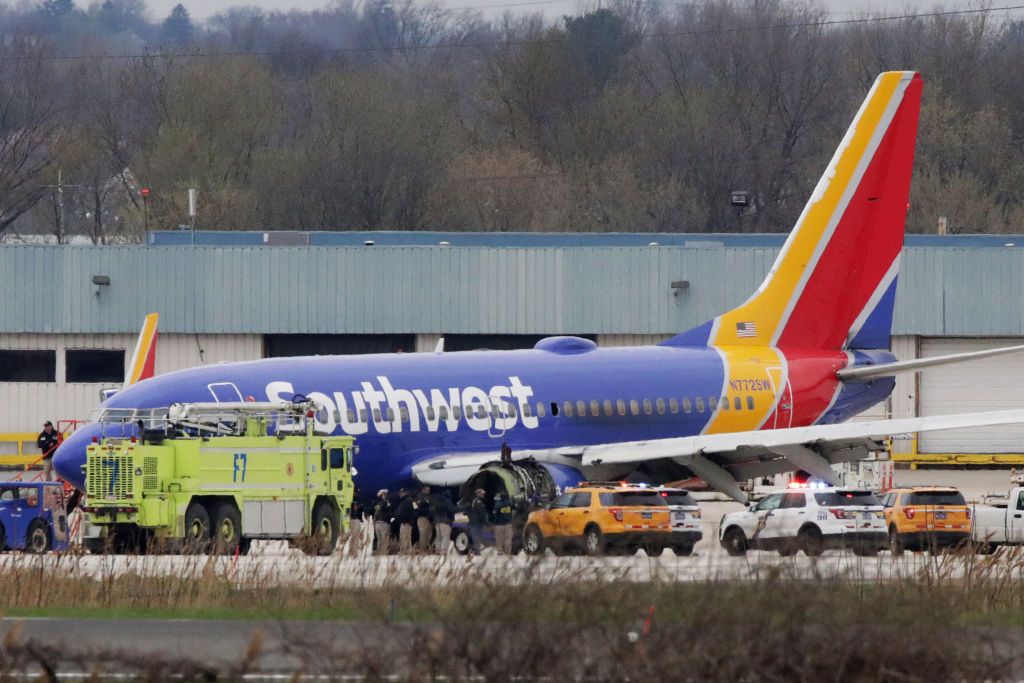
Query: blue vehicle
[{"x": 33, "y": 517}]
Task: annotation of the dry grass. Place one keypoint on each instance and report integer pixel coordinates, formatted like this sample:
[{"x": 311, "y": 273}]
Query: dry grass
[{"x": 951, "y": 619}]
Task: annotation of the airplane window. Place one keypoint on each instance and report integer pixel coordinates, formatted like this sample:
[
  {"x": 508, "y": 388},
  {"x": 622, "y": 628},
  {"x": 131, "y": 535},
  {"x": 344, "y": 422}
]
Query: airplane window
[
  {"x": 457, "y": 412},
  {"x": 362, "y": 415},
  {"x": 404, "y": 412},
  {"x": 725, "y": 403},
  {"x": 376, "y": 414},
  {"x": 620, "y": 407},
  {"x": 607, "y": 408},
  {"x": 595, "y": 409},
  {"x": 673, "y": 405},
  {"x": 634, "y": 407},
  {"x": 350, "y": 415},
  {"x": 750, "y": 402},
  {"x": 660, "y": 403},
  {"x": 554, "y": 409},
  {"x": 567, "y": 408},
  {"x": 712, "y": 402},
  {"x": 581, "y": 408},
  {"x": 737, "y": 404},
  {"x": 391, "y": 414},
  {"x": 647, "y": 406},
  {"x": 686, "y": 405},
  {"x": 430, "y": 413},
  {"x": 494, "y": 411},
  {"x": 481, "y": 411},
  {"x": 700, "y": 404},
  {"x": 512, "y": 412},
  {"x": 541, "y": 412},
  {"x": 442, "y": 412}
]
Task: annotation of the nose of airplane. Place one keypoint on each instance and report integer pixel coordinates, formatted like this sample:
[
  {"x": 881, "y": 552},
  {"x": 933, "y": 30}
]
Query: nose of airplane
[{"x": 69, "y": 458}]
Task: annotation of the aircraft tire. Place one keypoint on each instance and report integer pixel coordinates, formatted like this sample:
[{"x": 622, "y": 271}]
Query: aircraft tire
[
  {"x": 197, "y": 529},
  {"x": 226, "y": 530},
  {"x": 324, "y": 530},
  {"x": 38, "y": 539}
]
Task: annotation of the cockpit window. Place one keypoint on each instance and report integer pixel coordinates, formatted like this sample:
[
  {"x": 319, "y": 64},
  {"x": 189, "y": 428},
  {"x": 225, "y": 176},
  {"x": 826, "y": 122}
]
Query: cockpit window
[{"x": 151, "y": 417}]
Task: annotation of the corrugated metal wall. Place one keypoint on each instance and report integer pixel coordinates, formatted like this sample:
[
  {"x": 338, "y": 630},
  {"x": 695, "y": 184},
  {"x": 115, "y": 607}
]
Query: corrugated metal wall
[
  {"x": 373, "y": 290},
  {"x": 25, "y": 405}
]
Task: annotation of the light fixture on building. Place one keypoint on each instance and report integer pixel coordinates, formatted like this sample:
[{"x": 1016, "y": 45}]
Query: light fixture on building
[
  {"x": 680, "y": 287},
  {"x": 99, "y": 282},
  {"x": 740, "y": 198}
]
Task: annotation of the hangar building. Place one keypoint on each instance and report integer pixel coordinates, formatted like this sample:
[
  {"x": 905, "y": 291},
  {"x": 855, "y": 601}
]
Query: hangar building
[{"x": 70, "y": 314}]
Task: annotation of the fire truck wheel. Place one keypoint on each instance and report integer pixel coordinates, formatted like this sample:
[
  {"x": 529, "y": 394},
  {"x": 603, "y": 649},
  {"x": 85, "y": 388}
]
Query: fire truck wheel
[
  {"x": 226, "y": 529},
  {"x": 324, "y": 530},
  {"x": 197, "y": 529},
  {"x": 37, "y": 540}
]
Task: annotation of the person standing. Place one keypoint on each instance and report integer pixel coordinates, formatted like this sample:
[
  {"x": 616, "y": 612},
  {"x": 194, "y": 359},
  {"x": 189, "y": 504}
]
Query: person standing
[
  {"x": 501, "y": 517},
  {"x": 424, "y": 523},
  {"x": 382, "y": 514},
  {"x": 443, "y": 512},
  {"x": 478, "y": 519},
  {"x": 355, "y": 526},
  {"x": 405, "y": 515},
  {"x": 47, "y": 442}
]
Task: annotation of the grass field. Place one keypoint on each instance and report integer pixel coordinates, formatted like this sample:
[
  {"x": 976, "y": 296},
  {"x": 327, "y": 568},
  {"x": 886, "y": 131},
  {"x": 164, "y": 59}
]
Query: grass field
[{"x": 959, "y": 617}]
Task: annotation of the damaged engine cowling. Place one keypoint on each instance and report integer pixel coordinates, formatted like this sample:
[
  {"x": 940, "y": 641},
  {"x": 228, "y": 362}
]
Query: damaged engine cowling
[{"x": 528, "y": 483}]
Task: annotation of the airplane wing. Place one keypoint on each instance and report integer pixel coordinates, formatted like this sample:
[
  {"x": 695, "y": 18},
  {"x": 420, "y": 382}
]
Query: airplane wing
[{"x": 723, "y": 459}]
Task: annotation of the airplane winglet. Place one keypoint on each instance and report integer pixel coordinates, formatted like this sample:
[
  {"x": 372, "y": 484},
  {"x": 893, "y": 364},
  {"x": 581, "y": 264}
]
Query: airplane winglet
[{"x": 143, "y": 362}]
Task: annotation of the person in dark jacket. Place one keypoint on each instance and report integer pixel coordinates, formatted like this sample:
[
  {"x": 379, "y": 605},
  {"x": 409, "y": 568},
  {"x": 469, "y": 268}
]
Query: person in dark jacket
[
  {"x": 478, "y": 520},
  {"x": 355, "y": 525},
  {"x": 442, "y": 510},
  {"x": 501, "y": 517},
  {"x": 47, "y": 442},
  {"x": 424, "y": 523},
  {"x": 382, "y": 512},
  {"x": 405, "y": 516}
]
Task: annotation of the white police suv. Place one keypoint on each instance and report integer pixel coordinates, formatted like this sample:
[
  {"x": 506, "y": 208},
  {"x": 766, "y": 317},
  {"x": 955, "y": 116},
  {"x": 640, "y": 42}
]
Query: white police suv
[
  {"x": 808, "y": 517},
  {"x": 686, "y": 524}
]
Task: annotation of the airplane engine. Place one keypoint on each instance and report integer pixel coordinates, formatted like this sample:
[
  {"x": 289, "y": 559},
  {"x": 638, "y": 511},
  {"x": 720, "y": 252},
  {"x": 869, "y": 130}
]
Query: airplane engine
[{"x": 528, "y": 483}]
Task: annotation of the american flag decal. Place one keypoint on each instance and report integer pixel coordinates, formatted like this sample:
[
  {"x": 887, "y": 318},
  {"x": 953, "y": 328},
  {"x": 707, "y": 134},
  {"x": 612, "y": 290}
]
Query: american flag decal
[{"x": 746, "y": 330}]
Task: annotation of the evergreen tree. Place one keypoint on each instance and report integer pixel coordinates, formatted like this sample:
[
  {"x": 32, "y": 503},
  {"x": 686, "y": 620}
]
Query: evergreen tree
[{"x": 177, "y": 28}]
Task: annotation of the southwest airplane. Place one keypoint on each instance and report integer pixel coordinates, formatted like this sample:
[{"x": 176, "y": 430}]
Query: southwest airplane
[{"x": 762, "y": 389}]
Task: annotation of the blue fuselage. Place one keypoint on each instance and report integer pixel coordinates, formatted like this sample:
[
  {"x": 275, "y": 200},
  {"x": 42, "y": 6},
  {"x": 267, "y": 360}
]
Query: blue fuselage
[{"x": 404, "y": 408}]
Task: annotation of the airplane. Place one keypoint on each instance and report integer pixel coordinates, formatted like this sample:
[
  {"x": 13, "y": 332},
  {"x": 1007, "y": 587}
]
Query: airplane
[{"x": 761, "y": 389}]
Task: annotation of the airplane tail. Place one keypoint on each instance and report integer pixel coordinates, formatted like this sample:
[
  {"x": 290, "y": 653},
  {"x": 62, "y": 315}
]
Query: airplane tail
[
  {"x": 833, "y": 284},
  {"x": 143, "y": 363}
]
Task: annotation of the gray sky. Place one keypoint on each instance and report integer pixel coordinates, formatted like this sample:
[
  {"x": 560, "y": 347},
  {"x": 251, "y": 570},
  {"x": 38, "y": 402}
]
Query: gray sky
[{"x": 201, "y": 9}]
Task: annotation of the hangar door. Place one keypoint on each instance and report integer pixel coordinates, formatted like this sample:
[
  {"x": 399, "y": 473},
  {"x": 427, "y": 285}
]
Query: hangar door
[{"x": 985, "y": 384}]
